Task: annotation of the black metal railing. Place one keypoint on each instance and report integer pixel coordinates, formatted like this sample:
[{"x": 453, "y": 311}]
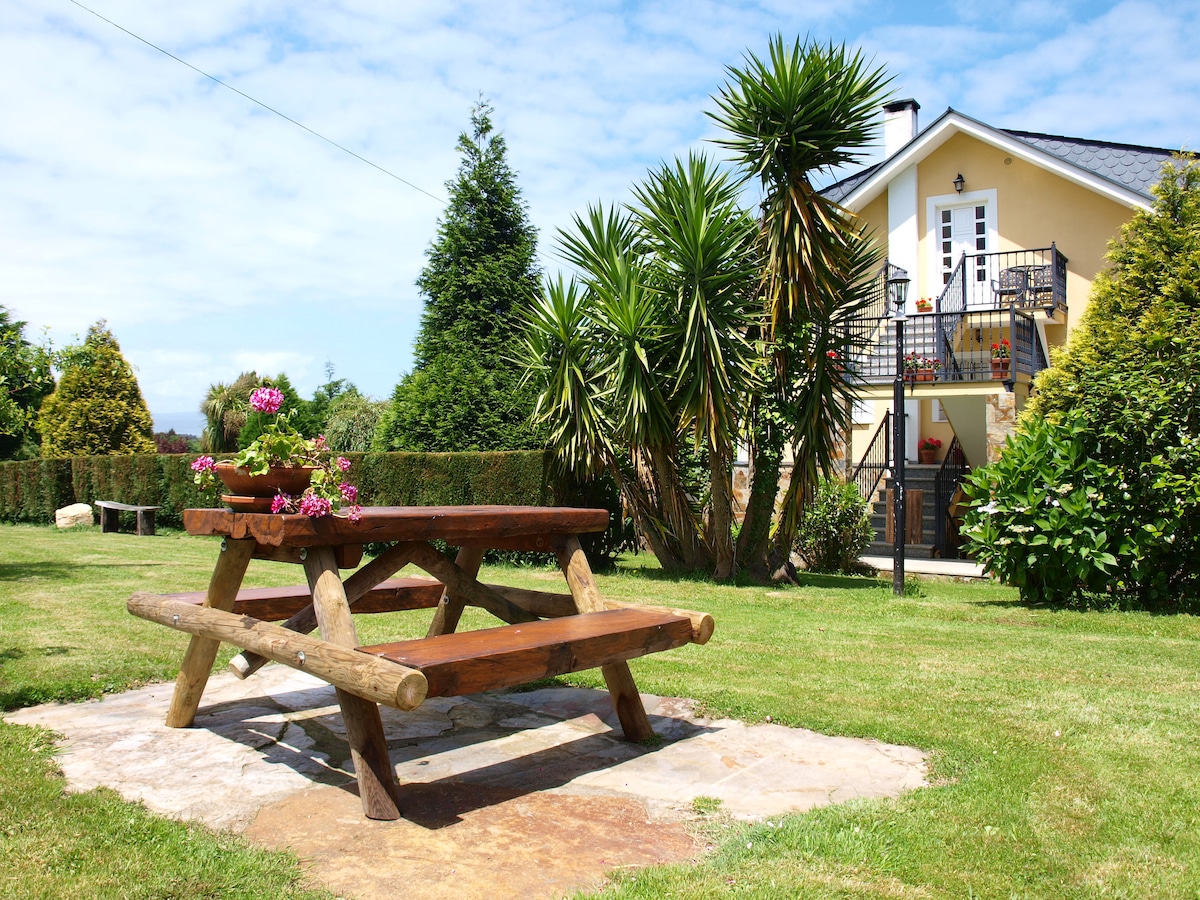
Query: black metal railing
[
  {"x": 1026, "y": 279},
  {"x": 961, "y": 346},
  {"x": 949, "y": 475},
  {"x": 877, "y": 460}
]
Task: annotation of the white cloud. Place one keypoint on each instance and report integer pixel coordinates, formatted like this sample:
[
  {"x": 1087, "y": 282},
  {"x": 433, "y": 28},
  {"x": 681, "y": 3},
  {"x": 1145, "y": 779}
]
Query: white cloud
[{"x": 214, "y": 236}]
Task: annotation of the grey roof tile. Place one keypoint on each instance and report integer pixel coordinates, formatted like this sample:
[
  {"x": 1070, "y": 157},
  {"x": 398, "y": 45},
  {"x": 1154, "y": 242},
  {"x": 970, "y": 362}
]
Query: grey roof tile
[{"x": 1129, "y": 165}]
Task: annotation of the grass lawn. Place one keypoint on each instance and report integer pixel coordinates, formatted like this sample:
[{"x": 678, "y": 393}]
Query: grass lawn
[{"x": 1064, "y": 744}]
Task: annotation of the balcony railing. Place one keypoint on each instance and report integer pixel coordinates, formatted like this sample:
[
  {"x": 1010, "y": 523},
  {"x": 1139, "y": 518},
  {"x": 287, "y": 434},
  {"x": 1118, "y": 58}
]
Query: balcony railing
[
  {"x": 1025, "y": 279},
  {"x": 988, "y": 298}
]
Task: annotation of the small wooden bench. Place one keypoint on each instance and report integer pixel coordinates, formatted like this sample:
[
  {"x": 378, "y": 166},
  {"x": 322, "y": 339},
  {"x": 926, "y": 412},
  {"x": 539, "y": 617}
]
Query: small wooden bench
[{"x": 110, "y": 512}]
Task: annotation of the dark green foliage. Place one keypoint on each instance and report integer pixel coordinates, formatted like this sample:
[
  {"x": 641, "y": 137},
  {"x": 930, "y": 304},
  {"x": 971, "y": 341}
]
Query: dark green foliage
[
  {"x": 25, "y": 380},
  {"x": 293, "y": 406},
  {"x": 835, "y": 529},
  {"x": 323, "y": 399},
  {"x": 31, "y": 490},
  {"x": 464, "y": 392},
  {"x": 1098, "y": 497},
  {"x": 97, "y": 407},
  {"x": 225, "y": 408},
  {"x": 351, "y": 421}
]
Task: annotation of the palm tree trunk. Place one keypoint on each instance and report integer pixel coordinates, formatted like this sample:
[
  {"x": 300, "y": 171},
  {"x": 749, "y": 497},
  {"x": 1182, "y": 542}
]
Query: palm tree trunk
[
  {"x": 766, "y": 462},
  {"x": 721, "y": 524}
]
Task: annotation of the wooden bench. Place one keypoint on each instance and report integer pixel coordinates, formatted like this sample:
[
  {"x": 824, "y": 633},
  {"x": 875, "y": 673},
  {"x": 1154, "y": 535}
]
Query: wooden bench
[{"x": 110, "y": 512}]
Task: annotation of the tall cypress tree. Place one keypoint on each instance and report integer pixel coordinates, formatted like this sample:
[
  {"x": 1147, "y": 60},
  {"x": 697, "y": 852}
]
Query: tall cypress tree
[
  {"x": 464, "y": 392},
  {"x": 97, "y": 408}
]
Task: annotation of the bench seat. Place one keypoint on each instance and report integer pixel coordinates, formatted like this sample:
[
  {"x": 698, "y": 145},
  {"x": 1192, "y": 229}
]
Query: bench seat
[
  {"x": 491, "y": 658},
  {"x": 111, "y": 509},
  {"x": 277, "y": 604}
]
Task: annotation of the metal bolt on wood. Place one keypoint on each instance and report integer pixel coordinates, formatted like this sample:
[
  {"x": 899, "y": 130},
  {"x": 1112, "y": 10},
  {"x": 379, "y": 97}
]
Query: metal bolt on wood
[{"x": 300, "y": 657}]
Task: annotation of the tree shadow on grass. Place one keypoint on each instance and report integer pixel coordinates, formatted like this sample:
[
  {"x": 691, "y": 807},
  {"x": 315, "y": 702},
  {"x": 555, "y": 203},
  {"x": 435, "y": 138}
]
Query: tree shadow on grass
[
  {"x": 62, "y": 570},
  {"x": 742, "y": 580}
]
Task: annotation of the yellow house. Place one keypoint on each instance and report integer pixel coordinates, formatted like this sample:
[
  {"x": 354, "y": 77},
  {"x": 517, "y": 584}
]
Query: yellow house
[{"x": 1000, "y": 234}]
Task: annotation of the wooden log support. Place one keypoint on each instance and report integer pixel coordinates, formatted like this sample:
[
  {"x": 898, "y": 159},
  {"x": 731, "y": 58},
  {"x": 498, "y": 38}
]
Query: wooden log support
[
  {"x": 493, "y": 658},
  {"x": 358, "y": 586},
  {"x": 450, "y": 607},
  {"x": 621, "y": 686},
  {"x": 374, "y": 679},
  {"x": 458, "y": 584},
  {"x": 202, "y": 651},
  {"x": 364, "y": 728},
  {"x": 548, "y": 605},
  {"x": 283, "y": 603}
]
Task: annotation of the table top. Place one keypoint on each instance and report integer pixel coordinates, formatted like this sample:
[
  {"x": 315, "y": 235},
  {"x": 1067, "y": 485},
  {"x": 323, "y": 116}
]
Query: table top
[{"x": 488, "y": 526}]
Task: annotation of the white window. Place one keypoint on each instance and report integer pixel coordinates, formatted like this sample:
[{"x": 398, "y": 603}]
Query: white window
[
  {"x": 939, "y": 414},
  {"x": 863, "y": 413}
]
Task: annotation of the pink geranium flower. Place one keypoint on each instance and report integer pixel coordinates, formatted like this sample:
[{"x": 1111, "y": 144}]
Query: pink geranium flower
[
  {"x": 315, "y": 506},
  {"x": 280, "y": 503},
  {"x": 349, "y": 492},
  {"x": 343, "y": 464},
  {"x": 266, "y": 399},
  {"x": 204, "y": 464}
]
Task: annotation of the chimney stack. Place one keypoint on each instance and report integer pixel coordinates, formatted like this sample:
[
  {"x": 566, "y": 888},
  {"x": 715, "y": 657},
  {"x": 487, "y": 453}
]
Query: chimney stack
[{"x": 899, "y": 125}]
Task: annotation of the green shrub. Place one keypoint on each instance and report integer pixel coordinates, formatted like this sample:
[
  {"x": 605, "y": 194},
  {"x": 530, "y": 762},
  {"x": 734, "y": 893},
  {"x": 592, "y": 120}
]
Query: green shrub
[
  {"x": 835, "y": 529},
  {"x": 1098, "y": 496}
]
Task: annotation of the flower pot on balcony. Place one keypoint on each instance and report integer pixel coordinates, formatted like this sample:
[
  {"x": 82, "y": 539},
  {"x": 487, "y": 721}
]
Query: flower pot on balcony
[
  {"x": 1000, "y": 367},
  {"x": 922, "y": 374}
]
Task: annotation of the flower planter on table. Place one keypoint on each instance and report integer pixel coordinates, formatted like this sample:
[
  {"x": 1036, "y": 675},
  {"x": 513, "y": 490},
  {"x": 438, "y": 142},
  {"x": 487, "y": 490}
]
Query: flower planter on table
[{"x": 254, "y": 493}]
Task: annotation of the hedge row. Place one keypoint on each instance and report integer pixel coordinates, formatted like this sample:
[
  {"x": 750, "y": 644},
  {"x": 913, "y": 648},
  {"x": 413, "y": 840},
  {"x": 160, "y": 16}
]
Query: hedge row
[{"x": 31, "y": 490}]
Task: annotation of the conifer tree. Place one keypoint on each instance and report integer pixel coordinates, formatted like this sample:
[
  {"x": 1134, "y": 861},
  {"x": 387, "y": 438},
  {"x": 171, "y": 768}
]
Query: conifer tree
[
  {"x": 97, "y": 408},
  {"x": 464, "y": 392}
]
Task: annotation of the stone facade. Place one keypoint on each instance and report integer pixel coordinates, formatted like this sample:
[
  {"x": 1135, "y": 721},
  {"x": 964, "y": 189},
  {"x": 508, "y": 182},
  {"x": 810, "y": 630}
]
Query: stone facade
[{"x": 1001, "y": 422}]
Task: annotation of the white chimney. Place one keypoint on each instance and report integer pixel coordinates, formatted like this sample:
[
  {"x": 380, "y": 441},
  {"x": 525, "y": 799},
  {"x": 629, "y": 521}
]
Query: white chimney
[{"x": 899, "y": 125}]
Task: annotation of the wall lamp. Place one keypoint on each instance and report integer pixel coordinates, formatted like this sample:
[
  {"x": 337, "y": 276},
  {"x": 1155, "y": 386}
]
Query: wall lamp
[{"x": 959, "y": 183}]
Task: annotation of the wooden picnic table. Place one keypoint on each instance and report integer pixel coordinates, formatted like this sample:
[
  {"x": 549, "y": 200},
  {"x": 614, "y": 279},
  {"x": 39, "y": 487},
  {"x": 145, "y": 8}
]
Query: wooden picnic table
[{"x": 545, "y": 633}]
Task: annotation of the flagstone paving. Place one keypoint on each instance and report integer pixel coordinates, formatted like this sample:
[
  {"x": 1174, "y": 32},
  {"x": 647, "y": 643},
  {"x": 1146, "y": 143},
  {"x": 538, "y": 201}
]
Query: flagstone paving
[{"x": 504, "y": 795}]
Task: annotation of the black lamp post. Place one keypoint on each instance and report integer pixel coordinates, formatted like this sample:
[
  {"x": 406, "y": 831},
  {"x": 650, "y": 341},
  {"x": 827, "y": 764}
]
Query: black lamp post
[{"x": 897, "y": 288}]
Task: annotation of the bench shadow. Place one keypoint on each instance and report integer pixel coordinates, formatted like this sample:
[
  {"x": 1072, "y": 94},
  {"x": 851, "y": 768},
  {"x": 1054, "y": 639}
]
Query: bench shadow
[{"x": 442, "y": 801}]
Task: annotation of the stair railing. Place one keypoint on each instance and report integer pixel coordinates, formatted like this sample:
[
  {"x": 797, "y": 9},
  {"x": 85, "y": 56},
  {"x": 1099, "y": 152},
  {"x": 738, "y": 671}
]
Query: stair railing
[
  {"x": 949, "y": 475},
  {"x": 877, "y": 460}
]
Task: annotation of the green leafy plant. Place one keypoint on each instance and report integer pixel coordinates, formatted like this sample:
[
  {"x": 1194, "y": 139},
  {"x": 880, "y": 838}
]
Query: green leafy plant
[
  {"x": 280, "y": 445},
  {"x": 1002, "y": 349},
  {"x": 835, "y": 529},
  {"x": 915, "y": 363}
]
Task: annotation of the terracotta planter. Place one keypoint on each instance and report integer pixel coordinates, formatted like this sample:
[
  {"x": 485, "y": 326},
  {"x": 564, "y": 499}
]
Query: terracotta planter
[
  {"x": 926, "y": 457},
  {"x": 1000, "y": 367},
  {"x": 253, "y": 493},
  {"x": 921, "y": 374},
  {"x": 924, "y": 309}
]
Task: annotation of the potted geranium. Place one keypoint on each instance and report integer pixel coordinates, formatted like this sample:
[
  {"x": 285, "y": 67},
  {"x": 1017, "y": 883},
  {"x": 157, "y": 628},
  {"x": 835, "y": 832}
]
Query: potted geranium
[
  {"x": 924, "y": 305},
  {"x": 281, "y": 471},
  {"x": 921, "y": 368},
  {"x": 1001, "y": 358},
  {"x": 927, "y": 450}
]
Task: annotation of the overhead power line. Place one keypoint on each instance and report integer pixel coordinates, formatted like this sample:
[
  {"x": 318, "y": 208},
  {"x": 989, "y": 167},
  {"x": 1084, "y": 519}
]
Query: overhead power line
[{"x": 269, "y": 109}]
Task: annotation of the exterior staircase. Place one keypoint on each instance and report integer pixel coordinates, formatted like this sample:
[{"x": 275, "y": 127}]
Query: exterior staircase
[{"x": 916, "y": 478}]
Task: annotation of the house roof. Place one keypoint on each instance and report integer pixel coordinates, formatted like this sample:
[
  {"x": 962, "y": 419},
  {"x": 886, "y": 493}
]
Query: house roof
[{"x": 1124, "y": 172}]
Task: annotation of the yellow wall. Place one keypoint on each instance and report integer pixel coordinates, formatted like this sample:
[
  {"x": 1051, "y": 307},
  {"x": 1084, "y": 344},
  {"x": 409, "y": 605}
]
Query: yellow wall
[{"x": 1034, "y": 207}]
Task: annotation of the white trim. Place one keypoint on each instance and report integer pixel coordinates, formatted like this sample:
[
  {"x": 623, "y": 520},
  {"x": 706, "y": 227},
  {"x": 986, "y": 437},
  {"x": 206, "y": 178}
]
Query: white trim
[
  {"x": 933, "y": 222},
  {"x": 903, "y": 229},
  {"x": 952, "y": 123}
]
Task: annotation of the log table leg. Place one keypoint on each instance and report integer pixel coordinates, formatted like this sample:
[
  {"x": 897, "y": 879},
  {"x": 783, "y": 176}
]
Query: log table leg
[
  {"x": 202, "y": 652},
  {"x": 621, "y": 686},
  {"x": 364, "y": 728},
  {"x": 450, "y": 609}
]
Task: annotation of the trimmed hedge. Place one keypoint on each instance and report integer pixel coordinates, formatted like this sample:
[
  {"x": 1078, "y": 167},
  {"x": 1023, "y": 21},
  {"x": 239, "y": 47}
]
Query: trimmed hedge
[{"x": 31, "y": 490}]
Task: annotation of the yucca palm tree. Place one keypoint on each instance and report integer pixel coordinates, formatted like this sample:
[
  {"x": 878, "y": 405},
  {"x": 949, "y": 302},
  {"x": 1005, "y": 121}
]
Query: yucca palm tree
[
  {"x": 804, "y": 110},
  {"x": 702, "y": 262},
  {"x": 652, "y": 350},
  {"x": 225, "y": 408}
]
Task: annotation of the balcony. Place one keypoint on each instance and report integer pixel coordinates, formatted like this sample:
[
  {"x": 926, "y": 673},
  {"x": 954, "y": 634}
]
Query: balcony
[{"x": 987, "y": 299}]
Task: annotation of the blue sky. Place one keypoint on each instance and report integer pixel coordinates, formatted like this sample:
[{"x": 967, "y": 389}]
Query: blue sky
[{"x": 215, "y": 237}]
